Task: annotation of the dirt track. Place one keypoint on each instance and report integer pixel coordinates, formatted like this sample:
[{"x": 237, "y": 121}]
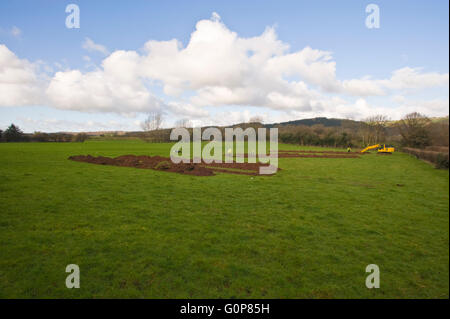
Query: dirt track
[{"x": 314, "y": 154}]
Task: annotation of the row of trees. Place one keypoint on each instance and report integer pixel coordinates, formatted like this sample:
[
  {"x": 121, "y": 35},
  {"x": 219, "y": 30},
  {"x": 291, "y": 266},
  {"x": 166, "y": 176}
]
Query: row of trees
[
  {"x": 414, "y": 130},
  {"x": 316, "y": 135},
  {"x": 14, "y": 134}
]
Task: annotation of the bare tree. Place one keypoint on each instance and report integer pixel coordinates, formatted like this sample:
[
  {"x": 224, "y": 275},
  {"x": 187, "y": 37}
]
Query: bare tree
[
  {"x": 183, "y": 123},
  {"x": 376, "y": 126},
  {"x": 256, "y": 119},
  {"x": 153, "y": 122}
]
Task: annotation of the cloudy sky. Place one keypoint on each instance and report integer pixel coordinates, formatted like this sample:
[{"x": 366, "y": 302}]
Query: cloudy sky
[{"x": 218, "y": 63}]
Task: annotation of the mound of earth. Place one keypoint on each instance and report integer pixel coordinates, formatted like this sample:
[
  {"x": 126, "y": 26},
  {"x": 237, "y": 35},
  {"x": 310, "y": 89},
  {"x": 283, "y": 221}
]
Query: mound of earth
[{"x": 165, "y": 164}]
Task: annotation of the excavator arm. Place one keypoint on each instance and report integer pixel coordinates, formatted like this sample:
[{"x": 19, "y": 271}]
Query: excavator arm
[{"x": 371, "y": 147}]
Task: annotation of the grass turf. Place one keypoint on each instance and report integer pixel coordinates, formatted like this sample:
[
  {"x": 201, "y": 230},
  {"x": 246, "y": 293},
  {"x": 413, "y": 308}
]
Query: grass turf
[{"x": 308, "y": 232}]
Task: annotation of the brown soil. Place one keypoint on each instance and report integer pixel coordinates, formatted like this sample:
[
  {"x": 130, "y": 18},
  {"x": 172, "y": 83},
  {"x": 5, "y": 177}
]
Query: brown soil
[
  {"x": 165, "y": 164},
  {"x": 203, "y": 169}
]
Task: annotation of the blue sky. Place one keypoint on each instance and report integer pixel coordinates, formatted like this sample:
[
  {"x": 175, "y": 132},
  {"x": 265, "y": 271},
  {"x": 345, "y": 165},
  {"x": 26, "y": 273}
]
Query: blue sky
[{"x": 412, "y": 34}]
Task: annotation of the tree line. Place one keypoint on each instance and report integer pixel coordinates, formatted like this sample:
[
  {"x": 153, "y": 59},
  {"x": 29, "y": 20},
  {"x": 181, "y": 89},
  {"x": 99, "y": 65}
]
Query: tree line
[
  {"x": 413, "y": 130},
  {"x": 14, "y": 134}
]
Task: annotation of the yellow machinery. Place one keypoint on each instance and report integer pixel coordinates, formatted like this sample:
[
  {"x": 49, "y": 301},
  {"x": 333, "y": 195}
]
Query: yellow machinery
[{"x": 383, "y": 149}]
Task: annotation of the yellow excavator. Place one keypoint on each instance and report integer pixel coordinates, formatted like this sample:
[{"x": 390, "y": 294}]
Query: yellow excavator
[{"x": 384, "y": 149}]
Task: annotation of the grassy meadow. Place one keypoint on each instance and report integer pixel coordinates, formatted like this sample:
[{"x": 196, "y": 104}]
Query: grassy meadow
[{"x": 307, "y": 232}]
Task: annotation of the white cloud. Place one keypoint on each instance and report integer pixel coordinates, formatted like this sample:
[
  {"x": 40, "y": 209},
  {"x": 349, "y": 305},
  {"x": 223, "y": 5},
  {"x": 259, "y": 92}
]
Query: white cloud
[
  {"x": 91, "y": 46},
  {"x": 68, "y": 125},
  {"x": 409, "y": 78},
  {"x": 117, "y": 87},
  {"x": 19, "y": 84},
  {"x": 362, "y": 87},
  {"x": 186, "y": 110},
  {"x": 225, "y": 69},
  {"x": 216, "y": 68},
  {"x": 361, "y": 108},
  {"x": 433, "y": 107},
  {"x": 402, "y": 79}
]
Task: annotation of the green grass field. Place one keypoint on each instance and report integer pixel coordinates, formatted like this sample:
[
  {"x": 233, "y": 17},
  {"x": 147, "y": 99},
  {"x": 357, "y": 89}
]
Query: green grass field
[{"x": 308, "y": 232}]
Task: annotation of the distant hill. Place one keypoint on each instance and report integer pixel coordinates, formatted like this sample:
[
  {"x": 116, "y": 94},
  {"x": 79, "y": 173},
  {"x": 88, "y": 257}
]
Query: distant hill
[
  {"x": 314, "y": 121},
  {"x": 340, "y": 122},
  {"x": 332, "y": 122}
]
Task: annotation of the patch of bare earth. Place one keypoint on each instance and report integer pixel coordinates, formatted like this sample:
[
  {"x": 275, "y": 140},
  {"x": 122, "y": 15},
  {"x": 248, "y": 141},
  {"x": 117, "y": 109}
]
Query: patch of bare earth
[{"x": 165, "y": 164}]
